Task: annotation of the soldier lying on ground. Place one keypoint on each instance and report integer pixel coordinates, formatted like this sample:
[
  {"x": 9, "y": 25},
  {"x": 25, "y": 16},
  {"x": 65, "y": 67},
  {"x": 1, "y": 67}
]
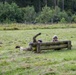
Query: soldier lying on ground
[{"x": 30, "y": 46}]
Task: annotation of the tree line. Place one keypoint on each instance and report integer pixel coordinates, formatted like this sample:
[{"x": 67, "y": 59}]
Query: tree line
[{"x": 38, "y": 11}]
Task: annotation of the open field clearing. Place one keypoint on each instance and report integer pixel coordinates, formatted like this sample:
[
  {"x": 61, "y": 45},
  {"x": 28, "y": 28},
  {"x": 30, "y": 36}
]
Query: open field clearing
[{"x": 50, "y": 62}]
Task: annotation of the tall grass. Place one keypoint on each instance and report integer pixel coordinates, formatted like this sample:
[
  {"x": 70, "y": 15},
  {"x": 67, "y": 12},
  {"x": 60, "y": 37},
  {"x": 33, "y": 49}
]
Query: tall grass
[{"x": 16, "y": 26}]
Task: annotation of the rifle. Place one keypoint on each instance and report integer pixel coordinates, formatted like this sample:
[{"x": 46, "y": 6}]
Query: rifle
[{"x": 34, "y": 38}]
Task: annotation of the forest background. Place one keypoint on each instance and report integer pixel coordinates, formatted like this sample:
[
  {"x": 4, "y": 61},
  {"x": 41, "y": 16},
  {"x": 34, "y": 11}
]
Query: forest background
[{"x": 37, "y": 11}]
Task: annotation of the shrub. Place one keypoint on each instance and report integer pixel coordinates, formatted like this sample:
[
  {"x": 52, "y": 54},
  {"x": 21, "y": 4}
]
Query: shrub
[
  {"x": 45, "y": 16},
  {"x": 29, "y": 14},
  {"x": 10, "y": 13},
  {"x": 74, "y": 18},
  {"x": 63, "y": 20},
  {"x": 63, "y": 16}
]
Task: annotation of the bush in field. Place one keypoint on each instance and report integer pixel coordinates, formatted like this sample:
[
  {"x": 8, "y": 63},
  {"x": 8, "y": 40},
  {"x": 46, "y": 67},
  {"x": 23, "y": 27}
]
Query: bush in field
[
  {"x": 63, "y": 20},
  {"x": 52, "y": 15},
  {"x": 29, "y": 14},
  {"x": 45, "y": 16},
  {"x": 10, "y": 13},
  {"x": 60, "y": 16},
  {"x": 55, "y": 13},
  {"x": 74, "y": 18},
  {"x": 63, "y": 15}
]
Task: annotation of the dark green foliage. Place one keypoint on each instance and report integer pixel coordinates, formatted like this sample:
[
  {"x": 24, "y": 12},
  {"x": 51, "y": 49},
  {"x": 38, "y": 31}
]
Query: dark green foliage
[
  {"x": 10, "y": 13},
  {"x": 63, "y": 17},
  {"x": 37, "y": 11},
  {"x": 52, "y": 15},
  {"x": 74, "y": 18},
  {"x": 29, "y": 14},
  {"x": 45, "y": 16}
]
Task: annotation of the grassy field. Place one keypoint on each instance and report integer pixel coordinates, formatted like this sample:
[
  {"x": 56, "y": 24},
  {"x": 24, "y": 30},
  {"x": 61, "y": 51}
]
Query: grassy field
[{"x": 51, "y": 62}]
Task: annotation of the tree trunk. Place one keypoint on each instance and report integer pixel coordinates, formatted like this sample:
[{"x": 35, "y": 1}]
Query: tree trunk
[
  {"x": 39, "y": 5},
  {"x": 45, "y": 1},
  {"x": 54, "y": 3},
  {"x": 62, "y": 5}
]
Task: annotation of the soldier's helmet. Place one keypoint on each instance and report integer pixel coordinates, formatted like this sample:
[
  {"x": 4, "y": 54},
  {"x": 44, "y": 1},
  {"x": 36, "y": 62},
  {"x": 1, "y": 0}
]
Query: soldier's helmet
[{"x": 55, "y": 37}]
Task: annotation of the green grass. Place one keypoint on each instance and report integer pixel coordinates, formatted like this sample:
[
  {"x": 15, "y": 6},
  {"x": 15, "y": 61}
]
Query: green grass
[{"x": 15, "y": 62}]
